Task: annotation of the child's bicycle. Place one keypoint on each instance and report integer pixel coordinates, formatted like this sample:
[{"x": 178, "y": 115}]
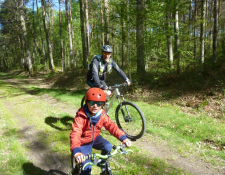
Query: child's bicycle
[
  {"x": 96, "y": 160},
  {"x": 129, "y": 117}
]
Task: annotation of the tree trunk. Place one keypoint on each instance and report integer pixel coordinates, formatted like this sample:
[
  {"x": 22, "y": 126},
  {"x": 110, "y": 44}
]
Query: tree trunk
[
  {"x": 35, "y": 41},
  {"x": 73, "y": 40},
  {"x": 195, "y": 29},
  {"x": 169, "y": 37},
  {"x": 140, "y": 38},
  {"x": 215, "y": 32},
  {"x": 106, "y": 17},
  {"x": 49, "y": 46},
  {"x": 82, "y": 21},
  {"x": 69, "y": 33},
  {"x": 61, "y": 39},
  {"x": 43, "y": 59},
  {"x": 202, "y": 34},
  {"x": 123, "y": 33},
  {"x": 26, "y": 41},
  {"x": 176, "y": 38},
  {"x": 103, "y": 31},
  {"x": 211, "y": 28},
  {"x": 128, "y": 41},
  {"x": 87, "y": 28}
]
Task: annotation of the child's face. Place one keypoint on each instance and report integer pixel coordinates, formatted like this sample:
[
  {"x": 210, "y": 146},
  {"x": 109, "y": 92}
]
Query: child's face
[{"x": 94, "y": 107}]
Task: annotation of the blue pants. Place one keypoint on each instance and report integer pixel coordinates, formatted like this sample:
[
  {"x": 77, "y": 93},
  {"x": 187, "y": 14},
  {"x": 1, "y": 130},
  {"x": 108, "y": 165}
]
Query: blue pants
[{"x": 99, "y": 144}]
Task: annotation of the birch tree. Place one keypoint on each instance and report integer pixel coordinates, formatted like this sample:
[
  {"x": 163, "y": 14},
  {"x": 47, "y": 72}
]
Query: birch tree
[
  {"x": 169, "y": 35},
  {"x": 176, "y": 38},
  {"x": 202, "y": 34}
]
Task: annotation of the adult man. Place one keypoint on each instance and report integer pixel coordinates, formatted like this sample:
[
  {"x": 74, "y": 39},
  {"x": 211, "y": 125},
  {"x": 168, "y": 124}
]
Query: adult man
[{"x": 99, "y": 66}]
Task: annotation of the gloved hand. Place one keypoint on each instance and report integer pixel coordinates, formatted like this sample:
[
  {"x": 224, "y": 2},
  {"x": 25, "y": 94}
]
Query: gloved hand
[
  {"x": 127, "y": 142},
  {"x": 128, "y": 82},
  {"x": 79, "y": 157}
]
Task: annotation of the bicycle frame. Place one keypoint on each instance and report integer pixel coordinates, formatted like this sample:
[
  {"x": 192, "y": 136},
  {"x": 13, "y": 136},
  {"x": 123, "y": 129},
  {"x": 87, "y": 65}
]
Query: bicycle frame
[{"x": 115, "y": 94}]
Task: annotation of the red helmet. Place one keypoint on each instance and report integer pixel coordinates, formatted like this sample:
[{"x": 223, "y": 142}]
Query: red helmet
[{"x": 95, "y": 94}]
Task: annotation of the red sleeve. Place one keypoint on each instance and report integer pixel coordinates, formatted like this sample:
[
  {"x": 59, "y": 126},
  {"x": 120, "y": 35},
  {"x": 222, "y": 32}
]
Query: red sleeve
[
  {"x": 112, "y": 127},
  {"x": 75, "y": 134}
]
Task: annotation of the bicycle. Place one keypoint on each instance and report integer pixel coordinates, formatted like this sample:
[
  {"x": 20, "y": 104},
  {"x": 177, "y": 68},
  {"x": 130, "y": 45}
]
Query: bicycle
[
  {"x": 128, "y": 115},
  {"x": 96, "y": 160}
]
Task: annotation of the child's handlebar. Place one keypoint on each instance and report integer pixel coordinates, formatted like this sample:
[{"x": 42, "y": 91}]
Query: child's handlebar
[{"x": 93, "y": 157}]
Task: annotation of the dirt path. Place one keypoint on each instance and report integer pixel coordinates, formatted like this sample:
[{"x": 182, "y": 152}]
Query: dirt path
[{"x": 59, "y": 164}]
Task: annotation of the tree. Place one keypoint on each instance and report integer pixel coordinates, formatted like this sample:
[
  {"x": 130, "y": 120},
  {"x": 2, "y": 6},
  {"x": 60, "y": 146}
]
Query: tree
[
  {"x": 61, "y": 38},
  {"x": 87, "y": 28},
  {"x": 43, "y": 59},
  {"x": 49, "y": 45},
  {"x": 202, "y": 34},
  {"x": 215, "y": 32},
  {"x": 69, "y": 34},
  {"x": 195, "y": 28},
  {"x": 169, "y": 35},
  {"x": 140, "y": 38},
  {"x": 26, "y": 42},
  {"x": 176, "y": 37},
  {"x": 82, "y": 22},
  {"x": 106, "y": 22}
]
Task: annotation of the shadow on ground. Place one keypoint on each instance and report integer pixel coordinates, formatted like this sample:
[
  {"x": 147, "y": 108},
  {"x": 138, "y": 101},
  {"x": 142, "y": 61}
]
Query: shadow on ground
[
  {"x": 65, "y": 122},
  {"x": 30, "y": 169}
]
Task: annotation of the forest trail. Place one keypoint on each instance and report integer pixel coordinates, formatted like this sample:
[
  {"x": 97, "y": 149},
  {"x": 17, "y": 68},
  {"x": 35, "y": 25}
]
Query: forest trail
[{"x": 60, "y": 164}]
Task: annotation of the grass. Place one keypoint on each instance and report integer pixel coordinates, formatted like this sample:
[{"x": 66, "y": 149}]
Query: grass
[
  {"x": 12, "y": 154},
  {"x": 185, "y": 133}
]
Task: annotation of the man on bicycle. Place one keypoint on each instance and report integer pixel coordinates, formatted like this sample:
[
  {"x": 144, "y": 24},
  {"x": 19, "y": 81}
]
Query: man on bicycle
[
  {"x": 86, "y": 128},
  {"x": 99, "y": 66}
]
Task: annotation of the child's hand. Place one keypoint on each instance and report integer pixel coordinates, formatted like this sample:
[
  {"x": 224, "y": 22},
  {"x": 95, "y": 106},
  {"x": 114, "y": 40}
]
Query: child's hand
[
  {"x": 127, "y": 142},
  {"x": 80, "y": 158}
]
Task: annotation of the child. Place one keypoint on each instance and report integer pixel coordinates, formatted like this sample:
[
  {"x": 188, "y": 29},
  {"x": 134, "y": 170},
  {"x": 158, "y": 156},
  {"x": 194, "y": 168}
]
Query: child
[{"x": 86, "y": 128}]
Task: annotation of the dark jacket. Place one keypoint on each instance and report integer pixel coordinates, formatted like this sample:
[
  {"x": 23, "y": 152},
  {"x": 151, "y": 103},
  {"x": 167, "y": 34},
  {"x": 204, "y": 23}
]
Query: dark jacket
[{"x": 98, "y": 69}]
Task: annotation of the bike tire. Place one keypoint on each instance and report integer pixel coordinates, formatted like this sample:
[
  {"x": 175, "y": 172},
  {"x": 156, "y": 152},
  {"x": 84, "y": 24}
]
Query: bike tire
[
  {"x": 134, "y": 128},
  {"x": 82, "y": 102}
]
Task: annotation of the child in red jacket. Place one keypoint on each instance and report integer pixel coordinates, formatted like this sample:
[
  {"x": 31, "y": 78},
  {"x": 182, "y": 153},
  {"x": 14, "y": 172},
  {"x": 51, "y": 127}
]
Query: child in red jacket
[{"x": 86, "y": 128}]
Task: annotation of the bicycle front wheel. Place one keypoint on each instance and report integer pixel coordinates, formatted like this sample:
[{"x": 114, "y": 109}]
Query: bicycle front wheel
[{"x": 130, "y": 119}]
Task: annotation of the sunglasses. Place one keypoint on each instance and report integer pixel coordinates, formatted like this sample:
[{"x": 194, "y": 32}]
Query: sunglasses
[
  {"x": 107, "y": 53},
  {"x": 99, "y": 103}
]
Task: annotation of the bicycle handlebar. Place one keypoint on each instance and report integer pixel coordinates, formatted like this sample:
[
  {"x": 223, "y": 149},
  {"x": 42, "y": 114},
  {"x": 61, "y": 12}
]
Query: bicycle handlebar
[
  {"x": 93, "y": 157},
  {"x": 117, "y": 86}
]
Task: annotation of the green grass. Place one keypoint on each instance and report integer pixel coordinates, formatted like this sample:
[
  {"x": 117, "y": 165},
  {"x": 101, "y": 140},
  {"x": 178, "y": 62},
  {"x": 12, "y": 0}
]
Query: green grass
[
  {"x": 12, "y": 154},
  {"x": 187, "y": 134},
  {"x": 53, "y": 129}
]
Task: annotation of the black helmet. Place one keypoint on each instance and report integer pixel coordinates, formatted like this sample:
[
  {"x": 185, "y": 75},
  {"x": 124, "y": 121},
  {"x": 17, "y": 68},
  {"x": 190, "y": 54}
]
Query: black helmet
[{"x": 106, "y": 48}]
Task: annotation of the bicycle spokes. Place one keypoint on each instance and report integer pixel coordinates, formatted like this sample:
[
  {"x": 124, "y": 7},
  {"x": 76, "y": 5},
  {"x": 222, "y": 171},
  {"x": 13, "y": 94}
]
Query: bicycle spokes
[{"x": 130, "y": 119}]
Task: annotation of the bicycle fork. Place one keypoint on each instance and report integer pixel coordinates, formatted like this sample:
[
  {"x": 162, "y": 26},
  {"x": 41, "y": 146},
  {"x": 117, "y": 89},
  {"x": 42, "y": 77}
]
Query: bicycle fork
[{"x": 127, "y": 118}]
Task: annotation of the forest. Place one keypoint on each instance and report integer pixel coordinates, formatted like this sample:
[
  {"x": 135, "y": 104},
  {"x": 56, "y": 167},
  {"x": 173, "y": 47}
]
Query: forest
[
  {"x": 172, "y": 36},
  {"x": 173, "y": 51}
]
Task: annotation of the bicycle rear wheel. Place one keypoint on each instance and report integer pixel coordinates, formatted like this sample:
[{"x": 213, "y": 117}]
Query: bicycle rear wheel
[
  {"x": 82, "y": 102},
  {"x": 130, "y": 119}
]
